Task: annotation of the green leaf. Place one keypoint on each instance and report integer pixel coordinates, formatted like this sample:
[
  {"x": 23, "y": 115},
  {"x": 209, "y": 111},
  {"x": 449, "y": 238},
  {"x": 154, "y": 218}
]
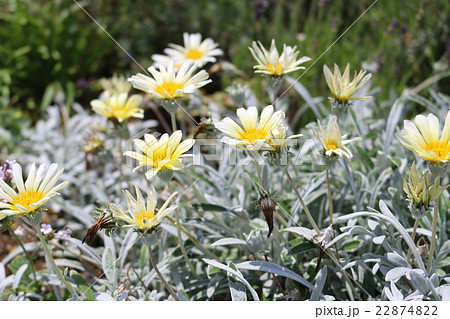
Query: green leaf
[
  {"x": 209, "y": 207},
  {"x": 83, "y": 285},
  {"x": 301, "y": 248},
  {"x": 351, "y": 245}
]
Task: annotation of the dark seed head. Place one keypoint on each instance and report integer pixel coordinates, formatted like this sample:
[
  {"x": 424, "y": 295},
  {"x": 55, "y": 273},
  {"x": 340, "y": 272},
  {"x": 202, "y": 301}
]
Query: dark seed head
[{"x": 267, "y": 205}]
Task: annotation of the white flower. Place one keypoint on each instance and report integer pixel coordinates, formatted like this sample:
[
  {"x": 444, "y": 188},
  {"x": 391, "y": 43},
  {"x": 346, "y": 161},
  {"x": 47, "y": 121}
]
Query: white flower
[
  {"x": 170, "y": 83},
  {"x": 163, "y": 154},
  {"x": 46, "y": 229},
  {"x": 422, "y": 137},
  {"x": 340, "y": 85},
  {"x": 252, "y": 135},
  {"x": 194, "y": 51},
  {"x": 141, "y": 213},
  {"x": 270, "y": 62},
  {"x": 278, "y": 139},
  {"x": 34, "y": 193},
  {"x": 118, "y": 106},
  {"x": 332, "y": 140}
]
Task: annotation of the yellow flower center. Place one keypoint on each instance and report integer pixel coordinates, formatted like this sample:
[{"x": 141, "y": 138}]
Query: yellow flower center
[
  {"x": 142, "y": 218},
  {"x": 194, "y": 54},
  {"x": 254, "y": 134},
  {"x": 331, "y": 145},
  {"x": 27, "y": 198},
  {"x": 275, "y": 71},
  {"x": 121, "y": 111},
  {"x": 169, "y": 88},
  {"x": 440, "y": 149}
]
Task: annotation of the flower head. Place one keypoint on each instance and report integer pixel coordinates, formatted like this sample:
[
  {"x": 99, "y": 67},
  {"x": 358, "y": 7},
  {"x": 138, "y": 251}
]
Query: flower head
[
  {"x": 252, "y": 135},
  {"x": 332, "y": 140},
  {"x": 279, "y": 139},
  {"x": 170, "y": 83},
  {"x": 141, "y": 213},
  {"x": 341, "y": 87},
  {"x": 116, "y": 85},
  {"x": 272, "y": 63},
  {"x": 163, "y": 154},
  {"x": 422, "y": 137},
  {"x": 118, "y": 106},
  {"x": 194, "y": 51},
  {"x": 421, "y": 192},
  {"x": 32, "y": 194}
]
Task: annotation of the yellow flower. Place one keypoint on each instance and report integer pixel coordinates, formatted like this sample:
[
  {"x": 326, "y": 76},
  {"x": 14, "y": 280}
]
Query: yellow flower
[
  {"x": 340, "y": 85},
  {"x": 253, "y": 135},
  {"x": 118, "y": 106},
  {"x": 420, "y": 191},
  {"x": 32, "y": 194},
  {"x": 422, "y": 137},
  {"x": 170, "y": 83},
  {"x": 332, "y": 140},
  {"x": 163, "y": 154},
  {"x": 194, "y": 51},
  {"x": 141, "y": 213},
  {"x": 271, "y": 63},
  {"x": 116, "y": 85},
  {"x": 278, "y": 139}
]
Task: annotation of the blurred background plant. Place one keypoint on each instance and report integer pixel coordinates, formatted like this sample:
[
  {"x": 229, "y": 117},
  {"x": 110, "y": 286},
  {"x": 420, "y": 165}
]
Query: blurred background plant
[{"x": 49, "y": 48}]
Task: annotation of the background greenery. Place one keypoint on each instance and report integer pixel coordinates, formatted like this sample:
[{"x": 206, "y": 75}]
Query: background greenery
[{"x": 53, "y": 49}]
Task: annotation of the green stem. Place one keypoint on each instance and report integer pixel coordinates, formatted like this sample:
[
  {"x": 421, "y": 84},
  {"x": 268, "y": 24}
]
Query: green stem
[
  {"x": 330, "y": 199},
  {"x": 52, "y": 261},
  {"x": 433, "y": 238},
  {"x": 152, "y": 260},
  {"x": 30, "y": 261},
  {"x": 413, "y": 236},
  {"x": 174, "y": 121},
  {"x": 305, "y": 208}
]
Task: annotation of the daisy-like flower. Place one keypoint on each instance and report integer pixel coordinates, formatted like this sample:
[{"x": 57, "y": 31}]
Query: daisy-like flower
[
  {"x": 422, "y": 137},
  {"x": 141, "y": 213},
  {"x": 279, "y": 139},
  {"x": 32, "y": 194},
  {"x": 194, "y": 51},
  {"x": 119, "y": 106},
  {"x": 252, "y": 135},
  {"x": 272, "y": 63},
  {"x": 165, "y": 60},
  {"x": 116, "y": 85},
  {"x": 163, "y": 154},
  {"x": 169, "y": 83},
  {"x": 341, "y": 87},
  {"x": 332, "y": 140}
]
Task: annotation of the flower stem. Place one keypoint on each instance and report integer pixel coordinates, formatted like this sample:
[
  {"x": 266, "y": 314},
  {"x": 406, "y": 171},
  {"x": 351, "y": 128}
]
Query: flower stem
[
  {"x": 330, "y": 199},
  {"x": 413, "y": 235},
  {"x": 433, "y": 238},
  {"x": 152, "y": 260},
  {"x": 30, "y": 261},
  {"x": 52, "y": 261},
  {"x": 305, "y": 208},
  {"x": 174, "y": 121}
]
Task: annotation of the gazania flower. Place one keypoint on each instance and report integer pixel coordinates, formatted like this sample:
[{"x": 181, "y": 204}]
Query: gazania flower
[
  {"x": 32, "y": 194},
  {"x": 278, "y": 139},
  {"x": 422, "y": 137},
  {"x": 341, "y": 87},
  {"x": 194, "y": 51},
  {"x": 118, "y": 106},
  {"x": 169, "y": 83},
  {"x": 421, "y": 192},
  {"x": 116, "y": 85},
  {"x": 165, "y": 60},
  {"x": 163, "y": 154},
  {"x": 331, "y": 140},
  {"x": 252, "y": 135},
  {"x": 141, "y": 213},
  {"x": 271, "y": 63}
]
